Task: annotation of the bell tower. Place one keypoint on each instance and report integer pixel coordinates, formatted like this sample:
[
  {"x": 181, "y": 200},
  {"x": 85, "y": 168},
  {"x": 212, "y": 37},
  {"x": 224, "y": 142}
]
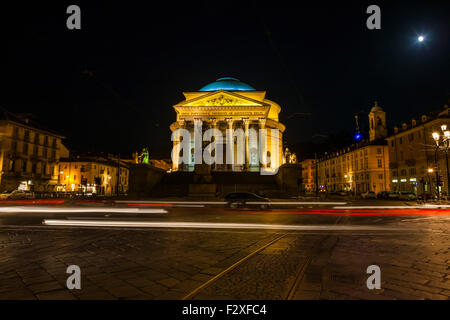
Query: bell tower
[{"x": 377, "y": 123}]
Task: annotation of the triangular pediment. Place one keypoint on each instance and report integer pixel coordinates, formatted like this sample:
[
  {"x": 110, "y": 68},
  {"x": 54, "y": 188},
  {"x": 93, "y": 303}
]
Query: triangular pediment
[{"x": 221, "y": 98}]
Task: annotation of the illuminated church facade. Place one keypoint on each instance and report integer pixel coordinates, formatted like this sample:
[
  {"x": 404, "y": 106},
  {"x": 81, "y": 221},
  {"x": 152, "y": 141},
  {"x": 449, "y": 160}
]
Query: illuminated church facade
[{"x": 228, "y": 104}]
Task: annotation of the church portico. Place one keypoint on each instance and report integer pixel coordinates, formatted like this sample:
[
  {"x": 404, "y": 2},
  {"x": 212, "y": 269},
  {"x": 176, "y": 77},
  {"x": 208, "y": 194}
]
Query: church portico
[{"x": 239, "y": 129}]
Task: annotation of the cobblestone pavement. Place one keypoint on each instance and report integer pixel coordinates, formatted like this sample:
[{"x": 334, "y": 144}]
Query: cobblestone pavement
[{"x": 170, "y": 264}]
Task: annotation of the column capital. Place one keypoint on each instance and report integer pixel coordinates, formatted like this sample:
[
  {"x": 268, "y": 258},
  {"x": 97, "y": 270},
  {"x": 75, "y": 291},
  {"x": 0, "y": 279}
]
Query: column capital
[
  {"x": 246, "y": 121},
  {"x": 262, "y": 121},
  {"x": 230, "y": 122},
  {"x": 181, "y": 122}
]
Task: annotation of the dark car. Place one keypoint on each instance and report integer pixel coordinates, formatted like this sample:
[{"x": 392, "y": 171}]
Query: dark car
[
  {"x": 394, "y": 195},
  {"x": 383, "y": 195},
  {"x": 17, "y": 195},
  {"x": 408, "y": 196},
  {"x": 246, "y": 199}
]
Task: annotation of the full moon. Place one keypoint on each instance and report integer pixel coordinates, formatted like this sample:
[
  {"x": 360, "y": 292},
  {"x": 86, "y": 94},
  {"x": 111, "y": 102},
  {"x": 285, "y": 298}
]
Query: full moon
[{"x": 421, "y": 38}]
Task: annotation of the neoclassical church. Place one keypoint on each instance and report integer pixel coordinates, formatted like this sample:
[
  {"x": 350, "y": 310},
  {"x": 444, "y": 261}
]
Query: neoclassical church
[{"x": 226, "y": 104}]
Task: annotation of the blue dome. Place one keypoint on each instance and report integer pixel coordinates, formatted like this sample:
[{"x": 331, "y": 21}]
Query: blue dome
[{"x": 229, "y": 84}]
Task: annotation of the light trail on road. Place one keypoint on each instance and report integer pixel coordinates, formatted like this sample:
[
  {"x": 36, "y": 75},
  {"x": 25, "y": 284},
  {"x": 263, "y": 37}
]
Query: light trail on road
[
  {"x": 369, "y": 212},
  {"x": 78, "y": 210},
  {"x": 208, "y": 225},
  {"x": 426, "y": 206}
]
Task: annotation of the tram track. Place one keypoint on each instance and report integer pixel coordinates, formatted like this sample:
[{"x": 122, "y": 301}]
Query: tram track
[{"x": 301, "y": 266}]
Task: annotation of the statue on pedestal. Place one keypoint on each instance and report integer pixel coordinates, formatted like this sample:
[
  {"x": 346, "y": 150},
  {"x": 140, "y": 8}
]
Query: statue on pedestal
[{"x": 142, "y": 157}]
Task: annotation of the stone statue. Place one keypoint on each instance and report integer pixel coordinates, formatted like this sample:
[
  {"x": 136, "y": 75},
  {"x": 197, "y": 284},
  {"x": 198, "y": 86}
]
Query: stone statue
[
  {"x": 135, "y": 157},
  {"x": 142, "y": 157},
  {"x": 287, "y": 155},
  {"x": 293, "y": 158}
]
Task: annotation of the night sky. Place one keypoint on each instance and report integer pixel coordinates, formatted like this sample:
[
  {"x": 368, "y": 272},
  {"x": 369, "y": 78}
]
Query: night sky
[{"x": 111, "y": 85}]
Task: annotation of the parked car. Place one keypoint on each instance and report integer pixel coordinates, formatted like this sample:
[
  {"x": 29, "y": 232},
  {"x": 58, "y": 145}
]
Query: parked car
[
  {"x": 242, "y": 199},
  {"x": 369, "y": 195},
  {"x": 5, "y": 194},
  {"x": 383, "y": 195},
  {"x": 16, "y": 195},
  {"x": 394, "y": 195},
  {"x": 408, "y": 196}
]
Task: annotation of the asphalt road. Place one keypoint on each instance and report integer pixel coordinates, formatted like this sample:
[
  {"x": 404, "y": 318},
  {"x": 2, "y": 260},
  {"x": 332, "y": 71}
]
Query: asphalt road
[{"x": 166, "y": 250}]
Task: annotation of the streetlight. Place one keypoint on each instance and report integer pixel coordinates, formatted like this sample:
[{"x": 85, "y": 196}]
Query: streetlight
[{"x": 445, "y": 142}]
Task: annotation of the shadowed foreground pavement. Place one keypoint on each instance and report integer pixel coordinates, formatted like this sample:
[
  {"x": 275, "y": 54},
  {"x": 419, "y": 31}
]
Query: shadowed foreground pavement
[{"x": 162, "y": 263}]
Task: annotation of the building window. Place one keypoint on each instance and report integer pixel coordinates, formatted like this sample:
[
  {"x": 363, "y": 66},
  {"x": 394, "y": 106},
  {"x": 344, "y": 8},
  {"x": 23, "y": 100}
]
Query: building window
[
  {"x": 44, "y": 152},
  {"x": 24, "y": 166},
  {"x": 35, "y": 150},
  {"x": 392, "y": 142},
  {"x": 380, "y": 163},
  {"x": 400, "y": 140},
  {"x": 25, "y": 148},
  {"x": 16, "y": 132},
  {"x": 412, "y": 171},
  {"x": 26, "y": 137},
  {"x": 46, "y": 140},
  {"x": 401, "y": 155},
  {"x": 411, "y": 136},
  {"x": 11, "y": 165},
  {"x": 378, "y": 150},
  {"x": 36, "y": 138},
  {"x": 14, "y": 146},
  {"x": 403, "y": 172},
  {"x": 419, "y": 134}
]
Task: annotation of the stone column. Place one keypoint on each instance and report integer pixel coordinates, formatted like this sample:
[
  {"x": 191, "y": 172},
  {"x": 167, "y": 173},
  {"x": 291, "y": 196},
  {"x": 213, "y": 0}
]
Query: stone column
[
  {"x": 262, "y": 145},
  {"x": 246, "y": 122},
  {"x": 198, "y": 142},
  {"x": 230, "y": 143},
  {"x": 176, "y": 142},
  {"x": 213, "y": 125}
]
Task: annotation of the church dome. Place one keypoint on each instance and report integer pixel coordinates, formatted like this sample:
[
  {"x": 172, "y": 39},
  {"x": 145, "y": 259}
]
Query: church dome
[
  {"x": 376, "y": 108},
  {"x": 229, "y": 84}
]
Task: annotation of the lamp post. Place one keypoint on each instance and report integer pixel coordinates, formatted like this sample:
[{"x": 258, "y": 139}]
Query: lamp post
[{"x": 443, "y": 139}]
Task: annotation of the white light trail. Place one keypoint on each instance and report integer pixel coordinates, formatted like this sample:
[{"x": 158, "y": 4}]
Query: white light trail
[
  {"x": 225, "y": 202},
  {"x": 296, "y": 203},
  {"x": 41, "y": 209},
  {"x": 206, "y": 225},
  {"x": 169, "y": 202}
]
